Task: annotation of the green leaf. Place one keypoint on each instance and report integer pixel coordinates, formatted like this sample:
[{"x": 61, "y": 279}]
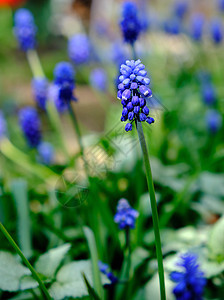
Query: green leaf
[
  {"x": 212, "y": 184},
  {"x": 48, "y": 263},
  {"x": 91, "y": 291},
  {"x": 216, "y": 241},
  {"x": 69, "y": 280},
  {"x": 13, "y": 275},
  {"x": 94, "y": 259},
  {"x": 152, "y": 290},
  {"x": 20, "y": 195}
]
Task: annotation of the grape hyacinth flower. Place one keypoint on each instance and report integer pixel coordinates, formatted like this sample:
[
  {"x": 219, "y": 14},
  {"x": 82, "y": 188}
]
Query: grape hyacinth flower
[
  {"x": 221, "y": 5},
  {"x": 53, "y": 95},
  {"x": 197, "y": 24},
  {"x": 125, "y": 216},
  {"x": 172, "y": 26},
  {"x": 30, "y": 125},
  {"x": 64, "y": 79},
  {"x": 130, "y": 23},
  {"x": 25, "y": 29},
  {"x": 3, "y": 126},
  {"x": 217, "y": 31},
  {"x": 79, "y": 48},
  {"x": 40, "y": 91},
  {"x": 180, "y": 8},
  {"x": 191, "y": 281},
  {"x": 208, "y": 94},
  {"x": 213, "y": 121},
  {"x": 105, "y": 269},
  {"x": 45, "y": 153},
  {"x": 133, "y": 91},
  {"x": 98, "y": 79}
]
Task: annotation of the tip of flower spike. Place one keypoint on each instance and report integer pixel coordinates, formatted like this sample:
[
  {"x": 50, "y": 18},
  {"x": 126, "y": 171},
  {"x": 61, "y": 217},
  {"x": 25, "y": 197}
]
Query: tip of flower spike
[{"x": 125, "y": 216}]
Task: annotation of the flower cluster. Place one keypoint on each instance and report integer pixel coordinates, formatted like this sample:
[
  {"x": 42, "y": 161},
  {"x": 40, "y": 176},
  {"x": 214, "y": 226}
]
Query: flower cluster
[
  {"x": 208, "y": 93},
  {"x": 130, "y": 23},
  {"x": 133, "y": 91},
  {"x": 64, "y": 80},
  {"x": 125, "y": 216},
  {"x": 30, "y": 125},
  {"x": 105, "y": 269},
  {"x": 197, "y": 25},
  {"x": 45, "y": 153},
  {"x": 180, "y": 8},
  {"x": 3, "y": 126},
  {"x": 40, "y": 91},
  {"x": 213, "y": 120},
  {"x": 190, "y": 282},
  {"x": 79, "y": 48},
  {"x": 98, "y": 79},
  {"x": 25, "y": 29},
  {"x": 217, "y": 31}
]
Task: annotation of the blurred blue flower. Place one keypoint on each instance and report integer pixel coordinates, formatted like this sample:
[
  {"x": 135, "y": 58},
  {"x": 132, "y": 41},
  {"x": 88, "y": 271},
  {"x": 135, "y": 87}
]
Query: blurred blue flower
[
  {"x": 217, "y": 31},
  {"x": 191, "y": 281},
  {"x": 197, "y": 25},
  {"x": 3, "y": 126},
  {"x": 30, "y": 125},
  {"x": 25, "y": 29},
  {"x": 180, "y": 8},
  {"x": 133, "y": 91},
  {"x": 208, "y": 94},
  {"x": 221, "y": 5},
  {"x": 53, "y": 95},
  {"x": 213, "y": 121},
  {"x": 105, "y": 269},
  {"x": 98, "y": 79},
  {"x": 40, "y": 91},
  {"x": 125, "y": 216},
  {"x": 130, "y": 23},
  {"x": 79, "y": 48},
  {"x": 45, "y": 153},
  {"x": 172, "y": 26},
  {"x": 64, "y": 78}
]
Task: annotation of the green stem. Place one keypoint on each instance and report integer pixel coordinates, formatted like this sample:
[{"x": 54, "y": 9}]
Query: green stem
[
  {"x": 43, "y": 289},
  {"x": 128, "y": 252},
  {"x": 56, "y": 124},
  {"x": 78, "y": 132},
  {"x": 35, "y": 64},
  {"x": 155, "y": 217},
  {"x": 134, "y": 52}
]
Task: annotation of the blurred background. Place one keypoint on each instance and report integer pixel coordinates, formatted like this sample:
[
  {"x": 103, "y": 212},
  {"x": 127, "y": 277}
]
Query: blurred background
[{"x": 181, "y": 45}]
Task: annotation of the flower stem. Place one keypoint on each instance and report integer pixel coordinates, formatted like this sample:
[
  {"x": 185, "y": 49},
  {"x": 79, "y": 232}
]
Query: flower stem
[
  {"x": 43, "y": 289},
  {"x": 128, "y": 251},
  {"x": 35, "y": 64},
  {"x": 78, "y": 132},
  {"x": 134, "y": 52},
  {"x": 155, "y": 218}
]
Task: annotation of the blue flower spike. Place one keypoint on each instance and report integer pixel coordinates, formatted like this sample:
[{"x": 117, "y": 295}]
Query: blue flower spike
[
  {"x": 40, "y": 91},
  {"x": 105, "y": 269},
  {"x": 25, "y": 29},
  {"x": 133, "y": 91},
  {"x": 79, "y": 48},
  {"x": 130, "y": 24},
  {"x": 98, "y": 79},
  {"x": 213, "y": 121},
  {"x": 125, "y": 216},
  {"x": 190, "y": 282},
  {"x": 3, "y": 126},
  {"x": 64, "y": 79},
  {"x": 30, "y": 125},
  {"x": 45, "y": 153}
]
